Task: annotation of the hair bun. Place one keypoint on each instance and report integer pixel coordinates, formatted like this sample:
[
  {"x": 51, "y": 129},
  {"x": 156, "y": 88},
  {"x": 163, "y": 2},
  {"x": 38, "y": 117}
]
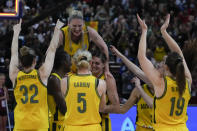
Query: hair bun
[{"x": 24, "y": 51}]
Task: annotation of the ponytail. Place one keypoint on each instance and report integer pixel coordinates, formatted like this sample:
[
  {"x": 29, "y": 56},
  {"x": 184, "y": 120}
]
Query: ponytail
[{"x": 180, "y": 78}]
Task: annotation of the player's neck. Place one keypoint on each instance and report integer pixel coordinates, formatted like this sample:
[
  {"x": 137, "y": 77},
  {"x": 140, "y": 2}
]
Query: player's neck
[
  {"x": 76, "y": 39},
  {"x": 28, "y": 69},
  {"x": 83, "y": 71}
]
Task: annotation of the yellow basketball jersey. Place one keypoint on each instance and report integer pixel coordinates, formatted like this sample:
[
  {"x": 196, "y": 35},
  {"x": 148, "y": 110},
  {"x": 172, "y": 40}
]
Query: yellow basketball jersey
[
  {"x": 106, "y": 121},
  {"x": 144, "y": 112},
  {"x": 69, "y": 46},
  {"x": 170, "y": 109},
  {"x": 82, "y": 101},
  {"x": 31, "y": 111},
  {"x": 56, "y": 115}
]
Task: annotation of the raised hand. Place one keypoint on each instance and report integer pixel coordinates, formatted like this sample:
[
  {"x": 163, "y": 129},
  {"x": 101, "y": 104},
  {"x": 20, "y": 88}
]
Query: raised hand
[
  {"x": 136, "y": 81},
  {"x": 59, "y": 24},
  {"x": 17, "y": 27},
  {"x": 166, "y": 23},
  {"x": 114, "y": 50},
  {"x": 142, "y": 23}
]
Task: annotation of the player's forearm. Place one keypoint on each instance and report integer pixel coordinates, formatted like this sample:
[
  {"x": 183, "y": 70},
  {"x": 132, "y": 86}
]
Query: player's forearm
[
  {"x": 147, "y": 98},
  {"x": 142, "y": 46},
  {"x": 61, "y": 104},
  {"x": 14, "y": 48},
  {"x": 171, "y": 42}
]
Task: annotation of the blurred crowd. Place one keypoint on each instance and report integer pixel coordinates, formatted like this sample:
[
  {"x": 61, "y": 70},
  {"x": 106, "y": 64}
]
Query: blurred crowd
[{"x": 117, "y": 25}]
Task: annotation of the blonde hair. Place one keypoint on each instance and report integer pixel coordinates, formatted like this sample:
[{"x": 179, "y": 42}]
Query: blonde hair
[
  {"x": 75, "y": 14},
  {"x": 82, "y": 58},
  {"x": 26, "y": 51}
]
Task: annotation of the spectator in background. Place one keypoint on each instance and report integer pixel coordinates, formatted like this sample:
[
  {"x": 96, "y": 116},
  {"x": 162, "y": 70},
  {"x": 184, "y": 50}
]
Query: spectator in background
[{"x": 3, "y": 103}]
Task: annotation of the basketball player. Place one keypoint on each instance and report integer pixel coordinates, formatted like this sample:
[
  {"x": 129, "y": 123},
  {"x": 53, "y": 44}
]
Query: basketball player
[
  {"x": 57, "y": 105},
  {"x": 97, "y": 68},
  {"x": 172, "y": 91},
  {"x": 84, "y": 96},
  {"x": 31, "y": 111},
  {"x": 78, "y": 36},
  {"x": 142, "y": 95}
]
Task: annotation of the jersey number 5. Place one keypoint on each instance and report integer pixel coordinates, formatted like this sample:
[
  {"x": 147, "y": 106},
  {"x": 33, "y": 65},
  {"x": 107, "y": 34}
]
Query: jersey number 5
[
  {"x": 83, "y": 100},
  {"x": 179, "y": 104},
  {"x": 25, "y": 91}
]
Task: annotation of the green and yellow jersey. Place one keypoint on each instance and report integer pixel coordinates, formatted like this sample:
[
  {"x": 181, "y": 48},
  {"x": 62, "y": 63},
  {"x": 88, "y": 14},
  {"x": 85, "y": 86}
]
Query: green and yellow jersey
[
  {"x": 31, "y": 111},
  {"x": 144, "y": 112},
  {"x": 171, "y": 110}
]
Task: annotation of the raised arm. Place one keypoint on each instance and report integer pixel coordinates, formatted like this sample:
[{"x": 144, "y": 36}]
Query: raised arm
[
  {"x": 98, "y": 40},
  {"x": 146, "y": 97},
  {"x": 146, "y": 65},
  {"x": 133, "y": 98},
  {"x": 13, "y": 69},
  {"x": 46, "y": 68},
  {"x": 174, "y": 46},
  {"x": 131, "y": 66},
  {"x": 54, "y": 89},
  {"x": 112, "y": 95}
]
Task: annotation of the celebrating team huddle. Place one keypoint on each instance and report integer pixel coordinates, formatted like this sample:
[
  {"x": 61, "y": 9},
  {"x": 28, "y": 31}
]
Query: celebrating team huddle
[{"x": 74, "y": 90}]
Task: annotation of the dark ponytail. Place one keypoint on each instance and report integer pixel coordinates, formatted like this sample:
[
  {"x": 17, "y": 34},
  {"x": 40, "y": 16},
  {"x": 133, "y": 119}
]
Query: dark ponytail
[
  {"x": 180, "y": 78},
  {"x": 175, "y": 64},
  {"x": 27, "y": 55}
]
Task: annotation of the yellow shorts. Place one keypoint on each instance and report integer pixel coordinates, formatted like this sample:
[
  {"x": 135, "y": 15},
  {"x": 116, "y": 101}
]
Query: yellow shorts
[
  {"x": 106, "y": 124},
  {"x": 171, "y": 128},
  {"x": 95, "y": 127},
  {"x": 56, "y": 126},
  {"x": 31, "y": 130},
  {"x": 140, "y": 128}
]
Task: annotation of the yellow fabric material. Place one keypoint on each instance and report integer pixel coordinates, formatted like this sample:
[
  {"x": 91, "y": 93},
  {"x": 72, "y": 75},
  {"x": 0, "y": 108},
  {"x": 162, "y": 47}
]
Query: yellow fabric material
[
  {"x": 31, "y": 111},
  {"x": 71, "y": 48},
  {"x": 169, "y": 109},
  {"x": 56, "y": 125},
  {"x": 95, "y": 127},
  {"x": 56, "y": 116},
  {"x": 31, "y": 130},
  {"x": 106, "y": 121},
  {"x": 82, "y": 101},
  {"x": 75, "y": 46},
  {"x": 144, "y": 112},
  {"x": 139, "y": 128},
  {"x": 161, "y": 127},
  {"x": 159, "y": 53}
]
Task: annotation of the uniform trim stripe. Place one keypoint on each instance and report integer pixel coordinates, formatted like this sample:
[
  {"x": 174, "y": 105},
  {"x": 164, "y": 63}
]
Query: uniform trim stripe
[
  {"x": 96, "y": 86},
  {"x": 58, "y": 76},
  {"x": 106, "y": 124},
  {"x": 154, "y": 107},
  {"x": 54, "y": 126},
  {"x": 165, "y": 90},
  {"x": 68, "y": 80},
  {"x": 56, "y": 114},
  {"x": 40, "y": 79}
]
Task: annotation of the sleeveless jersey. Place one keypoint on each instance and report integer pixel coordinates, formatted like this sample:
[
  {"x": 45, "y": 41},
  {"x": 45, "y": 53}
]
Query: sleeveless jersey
[
  {"x": 82, "y": 101},
  {"x": 31, "y": 111},
  {"x": 106, "y": 121},
  {"x": 144, "y": 112},
  {"x": 56, "y": 115},
  {"x": 69, "y": 46},
  {"x": 170, "y": 109}
]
